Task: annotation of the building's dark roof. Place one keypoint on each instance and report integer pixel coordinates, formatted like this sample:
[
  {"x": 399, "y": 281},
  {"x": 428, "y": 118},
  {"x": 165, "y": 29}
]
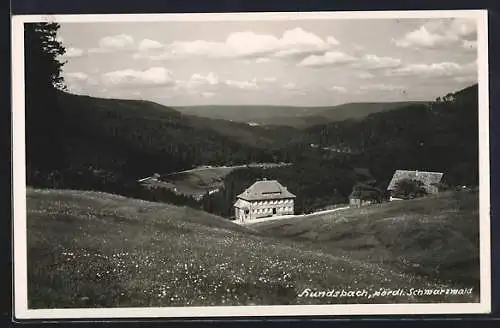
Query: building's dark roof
[
  {"x": 266, "y": 189},
  {"x": 427, "y": 178}
]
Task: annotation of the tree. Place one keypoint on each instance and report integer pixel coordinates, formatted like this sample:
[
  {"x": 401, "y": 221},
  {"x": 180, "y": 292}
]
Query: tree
[
  {"x": 409, "y": 189},
  {"x": 42, "y": 51}
]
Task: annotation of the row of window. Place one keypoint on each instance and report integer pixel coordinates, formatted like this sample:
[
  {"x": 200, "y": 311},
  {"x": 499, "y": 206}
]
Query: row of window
[
  {"x": 268, "y": 210},
  {"x": 274, "y": 202}
]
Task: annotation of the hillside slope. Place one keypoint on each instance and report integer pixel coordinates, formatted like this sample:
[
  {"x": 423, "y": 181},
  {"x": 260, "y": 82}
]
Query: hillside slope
[
  {"x": 88, "y": 249},
  {"x": 130, "y": 138},
  {"x": 436, "y": 236}
]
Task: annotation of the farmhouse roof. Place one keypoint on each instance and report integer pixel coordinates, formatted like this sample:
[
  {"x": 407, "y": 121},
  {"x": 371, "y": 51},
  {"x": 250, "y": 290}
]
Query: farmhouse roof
[
  {"x": 266, "y": 189},
  {"x": 427, "y": 178}
]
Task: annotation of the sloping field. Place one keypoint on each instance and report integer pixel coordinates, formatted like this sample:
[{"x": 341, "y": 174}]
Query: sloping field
[
  {"x": 88, "y": 249},
  {"x": 437, "y": 236}
]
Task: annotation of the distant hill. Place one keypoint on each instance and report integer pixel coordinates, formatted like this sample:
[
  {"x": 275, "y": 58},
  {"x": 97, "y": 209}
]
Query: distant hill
[
  {"x": 291, "y": 116},
  {"x": 248, "y": 113},
  {"x": 88, "y": 250}
]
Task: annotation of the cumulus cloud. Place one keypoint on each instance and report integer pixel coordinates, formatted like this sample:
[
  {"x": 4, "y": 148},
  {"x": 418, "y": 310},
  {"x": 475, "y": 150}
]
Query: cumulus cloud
[
  {"x": 243, "y": 84},
  {"x": 151, "y": 77},
  {"x": 329, "y": 58},
  {"x": 371, "y": 61},
  {"x": 439, "y": 33},
  {"x": 76, "y": 76},
  {"x": 211, "y": 80},
  {"x": 73, "y": 52},
  {"x": 148, "y": 45},
  {"x": 443, "y": 69},
  {"x": 114, "y": 43},
  {"x": 293, "y": 42},
  {"x": 199, "y": 79},
  {"x": 79, "y": 82}
]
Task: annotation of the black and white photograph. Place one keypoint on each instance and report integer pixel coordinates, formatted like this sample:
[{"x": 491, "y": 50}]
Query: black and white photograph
[{"x": 251, "y": 164}]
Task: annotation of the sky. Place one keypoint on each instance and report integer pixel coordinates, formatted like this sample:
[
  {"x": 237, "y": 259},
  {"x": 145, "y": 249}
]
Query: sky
[{"x": 271, "y": 62}]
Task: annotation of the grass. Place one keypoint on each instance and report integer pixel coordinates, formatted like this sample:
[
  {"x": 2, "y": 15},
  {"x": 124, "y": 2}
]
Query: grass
[
  {"x": 436, "y": 237},
  {"x": 88, "y": 249}
]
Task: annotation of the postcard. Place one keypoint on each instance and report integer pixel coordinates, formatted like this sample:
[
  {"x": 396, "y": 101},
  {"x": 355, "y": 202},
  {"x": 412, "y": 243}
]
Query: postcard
[{"x": 251, "y": 164}]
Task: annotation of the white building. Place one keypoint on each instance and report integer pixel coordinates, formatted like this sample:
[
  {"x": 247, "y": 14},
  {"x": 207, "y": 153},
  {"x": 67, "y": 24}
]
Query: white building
[{"x": 264, "y": 198}]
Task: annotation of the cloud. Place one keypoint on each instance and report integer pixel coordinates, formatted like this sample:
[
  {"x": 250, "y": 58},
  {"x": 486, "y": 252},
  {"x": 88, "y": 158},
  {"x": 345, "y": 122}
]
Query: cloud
[
  {"x": 262, "y": 60},
  {"x": 76, "y": 76},
  {"x": 114, "y": 43},
  {"x": 73, "y": 52},
  {"x": 381, "y": 87},
  {"x": 154, "y": 76},
  {"x": 78, "y": 82},
  {"x": 148, "y": 45},
  {"x": 211, "y": 80},
  {"x": 338, "y": 88},
  {"x": 443, "y": 69},
  {"x": 331, "y": 40},
  {"x": 117, "y": 41},
  {"x": 198, "y": 79},
  {"x": 329, "y": 58},
  {"x": 375, "y": 62},
  {"x": 439, "y": 33},
  {"x": 290, "y": 86},
  {"x": 242, "y": 84},
  {"x": 293, "y": 43}
]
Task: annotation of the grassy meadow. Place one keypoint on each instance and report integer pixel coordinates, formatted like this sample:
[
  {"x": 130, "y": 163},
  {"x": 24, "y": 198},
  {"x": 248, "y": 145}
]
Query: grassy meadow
[
  {"x": 91, "y": 249},
  {"x": 436, "y": 236}
]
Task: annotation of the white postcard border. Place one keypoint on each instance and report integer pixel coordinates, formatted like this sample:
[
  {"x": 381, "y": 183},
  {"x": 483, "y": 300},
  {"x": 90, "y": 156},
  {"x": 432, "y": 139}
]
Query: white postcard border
[{"x": 21, "y": 310}]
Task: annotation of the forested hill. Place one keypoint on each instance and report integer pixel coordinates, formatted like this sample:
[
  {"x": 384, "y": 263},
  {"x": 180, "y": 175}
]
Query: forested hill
[
  {"x": 131, "y": 138},
  {"x": 440, "y": 136}
]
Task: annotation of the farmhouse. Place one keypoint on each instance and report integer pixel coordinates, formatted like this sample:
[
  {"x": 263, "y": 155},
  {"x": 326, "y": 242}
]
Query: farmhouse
[
  {"x": 430, "y": 180},
  {"x": 264, "y": 198}
]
